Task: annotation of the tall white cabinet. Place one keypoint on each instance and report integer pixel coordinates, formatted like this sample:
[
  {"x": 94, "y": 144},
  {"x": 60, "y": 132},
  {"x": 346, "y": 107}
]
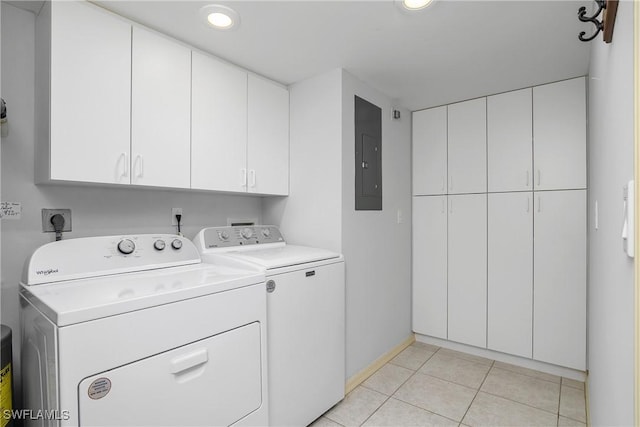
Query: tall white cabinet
[
  {"x": 467, "y": 146},
  {"x": 560, "y": 274},
  {"x": 510, "y": 273},
  {"x": 430, "y": 265},
  {"x": 467, "y": 269},
  {"x": 430, "y": 151},
  {"x": 516, "y": 223}
]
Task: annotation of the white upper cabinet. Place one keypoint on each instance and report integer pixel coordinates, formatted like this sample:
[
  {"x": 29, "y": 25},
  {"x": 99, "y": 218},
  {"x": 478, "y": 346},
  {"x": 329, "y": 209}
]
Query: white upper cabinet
[
  {"x": 268, "y": 137},
  {"x": 218, "y": 125},
  {"x": 430, "y": 151},
  {"x": 467, "y": 269},
  {"x": 430, "y": 265},
  {"x": 160, "y": 116},
  {"x": 510, "y": 273},
  {"x": 467, "y": 150},
  {"x": 559, "y": 134},
  {"x": 560, "y": 277},
  {"x": 509, "y": 141},
  {"x": 83, "y": 70}
]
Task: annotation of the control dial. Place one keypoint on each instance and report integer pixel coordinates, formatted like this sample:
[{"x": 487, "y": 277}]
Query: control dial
[
  {"x": 223, "y": 235},
  {"x": 176, "y": 244},
  {"x": 159, "y": 245},
  {"x": 247, "y": 233},
  {"x": 266, "y": 232},
  {"x": 126, "y": 246}
]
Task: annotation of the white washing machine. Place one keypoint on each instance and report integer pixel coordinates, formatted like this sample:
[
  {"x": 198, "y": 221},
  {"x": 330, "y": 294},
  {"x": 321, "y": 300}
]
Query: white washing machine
[
  {"x": 136, "y": 331},
  {"x": 305, "y": 312}
]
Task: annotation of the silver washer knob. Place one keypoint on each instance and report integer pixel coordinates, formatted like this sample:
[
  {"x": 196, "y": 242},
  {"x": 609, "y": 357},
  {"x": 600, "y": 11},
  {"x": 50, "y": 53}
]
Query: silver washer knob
[{"x": 159, "y": 245}]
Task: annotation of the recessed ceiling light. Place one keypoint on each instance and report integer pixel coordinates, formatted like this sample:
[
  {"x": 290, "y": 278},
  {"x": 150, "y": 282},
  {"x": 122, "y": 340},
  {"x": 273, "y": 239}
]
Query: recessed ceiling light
[
  {"x": 220, "y": 17},
  {"x": 415, "y": 4}
]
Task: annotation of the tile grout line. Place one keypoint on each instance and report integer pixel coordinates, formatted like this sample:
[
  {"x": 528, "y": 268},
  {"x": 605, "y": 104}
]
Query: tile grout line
[{"x": 477, "y": 391}]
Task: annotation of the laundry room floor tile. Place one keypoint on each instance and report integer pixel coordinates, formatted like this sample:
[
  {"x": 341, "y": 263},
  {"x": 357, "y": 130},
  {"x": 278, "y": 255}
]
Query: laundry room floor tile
[
  {"x": 456, "y": 370},
  {"x": 489, "y": 410},
  {"x": 425, "y": 385},
  {"x": 526, "y": 371},
  {"x": 436, "y": 395},
  {"x": 414, "y": 356},
  {"x": 572, "y": 404},
  {"x": 356, "y": 407},
  {"x": 531, "y": 391},
  {"x": 396, "y": 413},
  {"x": 388, "y": 379}
]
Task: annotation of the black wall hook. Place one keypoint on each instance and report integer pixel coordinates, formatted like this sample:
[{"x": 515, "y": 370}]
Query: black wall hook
[{"x": 602, "y": 4}]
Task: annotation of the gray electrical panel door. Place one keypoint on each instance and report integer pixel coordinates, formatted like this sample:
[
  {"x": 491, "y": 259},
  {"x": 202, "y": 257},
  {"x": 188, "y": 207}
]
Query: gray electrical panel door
[{"x": 368, "y": 145}]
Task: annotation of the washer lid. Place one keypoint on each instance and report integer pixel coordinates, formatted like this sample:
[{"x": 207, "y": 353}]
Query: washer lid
[
  {"x": 81, "y": 300},
  {"x": 282, "y": 256}
]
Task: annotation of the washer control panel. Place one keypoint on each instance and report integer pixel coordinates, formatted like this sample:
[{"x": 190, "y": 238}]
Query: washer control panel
[{"x": 223, "y": 237}]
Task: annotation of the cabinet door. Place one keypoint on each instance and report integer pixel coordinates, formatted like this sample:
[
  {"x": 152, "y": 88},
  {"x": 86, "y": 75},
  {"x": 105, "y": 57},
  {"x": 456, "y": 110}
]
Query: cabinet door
[
  {"x": 509, "y": 144},
  {"x": 559, "y": 132},
  {"x": 510, "y": 273},
  {"x": 467, "y": 269},
  {"x": 430, "y": 265},
  {"x": 160, "y": 118},
  {"x": 268, "y": 136},
  {"x": 467, "y": 148},
  {"x": 560, "y": 255},
  {"x": 430, "y": 151},
  {"x": 90, "y": 94},
  {"x": 218, "y": 125}
]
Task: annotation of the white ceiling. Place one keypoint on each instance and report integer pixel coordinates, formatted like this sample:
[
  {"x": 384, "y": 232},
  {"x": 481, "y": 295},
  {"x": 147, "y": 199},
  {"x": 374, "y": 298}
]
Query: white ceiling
[{"x": 450, "y": 51}]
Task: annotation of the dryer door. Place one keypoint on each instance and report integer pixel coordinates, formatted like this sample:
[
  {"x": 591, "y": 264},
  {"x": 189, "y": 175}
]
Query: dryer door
[{"x": 214, "y": 381}]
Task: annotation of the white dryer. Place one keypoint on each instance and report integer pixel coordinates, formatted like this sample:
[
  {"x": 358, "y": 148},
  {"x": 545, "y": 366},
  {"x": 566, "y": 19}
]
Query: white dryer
[
  {"x": 136, "y": 331},
  {"x": 305, "y": 317}
]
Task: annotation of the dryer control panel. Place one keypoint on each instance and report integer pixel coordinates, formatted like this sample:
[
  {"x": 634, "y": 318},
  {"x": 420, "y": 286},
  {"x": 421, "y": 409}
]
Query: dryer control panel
[
  {"x": 98, "y": 256},
  {"x": 225, "y": 237}
]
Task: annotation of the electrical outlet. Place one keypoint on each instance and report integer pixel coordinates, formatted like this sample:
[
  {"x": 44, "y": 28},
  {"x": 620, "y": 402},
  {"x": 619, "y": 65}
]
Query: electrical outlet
[
  {"x": 47, "y": 226},
  {"x": 174, "y": 212}
]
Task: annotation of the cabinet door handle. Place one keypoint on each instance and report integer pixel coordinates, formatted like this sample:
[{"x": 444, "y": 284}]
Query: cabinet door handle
[
  {"x": 442, "y": 178},
  {"x": 140, "y": 162},
  {"x": 539, "y": 177},
  {"x": 451, "y": 182},
  {"x": 244, "y": 177},
  {"x": 451, "y": 206},
  {"x": 125, "y": 164},
  {"x": 527, "y": 184},
  {"x": 539, "y": 204},
  {"x": 252, "y": 175}
]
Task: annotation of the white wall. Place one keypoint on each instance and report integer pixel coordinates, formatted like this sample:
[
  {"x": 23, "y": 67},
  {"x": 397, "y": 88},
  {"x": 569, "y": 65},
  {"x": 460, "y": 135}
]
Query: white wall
[
  {"x": 376, "y": 247},
  {"x": 311, "y": 214},
  {"x": 320, "y": 210},
  {"x": 611, "y": 286},
  {"x": 95, "y": 210}
]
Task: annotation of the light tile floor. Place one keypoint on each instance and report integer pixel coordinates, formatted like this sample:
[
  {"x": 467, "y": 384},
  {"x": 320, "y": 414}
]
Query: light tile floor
[{"x": 431, "y": 386}]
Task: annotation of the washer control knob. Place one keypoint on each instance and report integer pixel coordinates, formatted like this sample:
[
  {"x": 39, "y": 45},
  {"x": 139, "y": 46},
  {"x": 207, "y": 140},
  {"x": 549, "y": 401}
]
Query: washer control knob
[
  {"x": 266, "y": 232},
  {"x": 223, "y": 235},
  {"x": 159, "y": 245},
  {"x": 247, "y": 233},
  {"x": 176, "y": 244},
  {"x": 126, "y": 246}
]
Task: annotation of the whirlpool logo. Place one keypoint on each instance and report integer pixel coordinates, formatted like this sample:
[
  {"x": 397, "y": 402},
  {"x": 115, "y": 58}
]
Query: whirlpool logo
[{"x": 46, "y": 272}]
